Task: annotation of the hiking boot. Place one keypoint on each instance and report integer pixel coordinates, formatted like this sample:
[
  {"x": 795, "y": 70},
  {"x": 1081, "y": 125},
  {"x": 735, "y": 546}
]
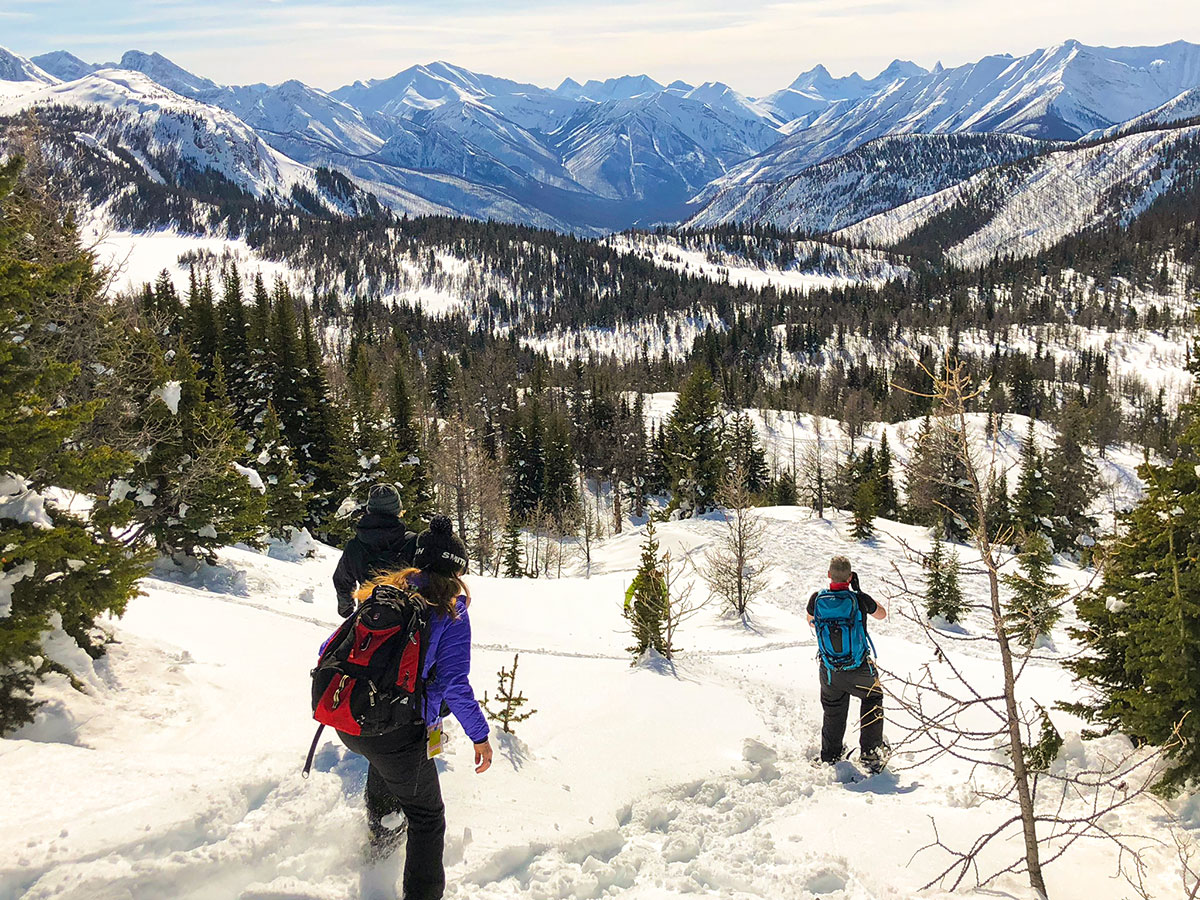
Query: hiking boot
[{"x": 875, "y": 759}]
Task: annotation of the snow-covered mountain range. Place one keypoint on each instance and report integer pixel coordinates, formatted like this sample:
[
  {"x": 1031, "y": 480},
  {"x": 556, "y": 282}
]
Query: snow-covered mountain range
[{"x": 821, "y": 154}]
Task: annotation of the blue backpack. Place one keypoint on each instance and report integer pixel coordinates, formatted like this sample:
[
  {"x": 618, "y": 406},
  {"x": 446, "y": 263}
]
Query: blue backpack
[{"x": 842, "y": 639}]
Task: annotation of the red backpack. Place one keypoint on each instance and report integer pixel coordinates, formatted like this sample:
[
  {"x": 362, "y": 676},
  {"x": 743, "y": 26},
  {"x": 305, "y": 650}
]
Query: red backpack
[{"x": 367, "y": 680}]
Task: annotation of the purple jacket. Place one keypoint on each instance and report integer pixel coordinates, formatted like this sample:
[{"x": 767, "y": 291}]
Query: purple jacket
[{"x": 448, "y": 656}]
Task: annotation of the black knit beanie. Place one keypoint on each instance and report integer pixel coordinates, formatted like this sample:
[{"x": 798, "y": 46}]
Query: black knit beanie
[
  {"x": 384, "y": 498},
  {"x": 440, "y": 551}
]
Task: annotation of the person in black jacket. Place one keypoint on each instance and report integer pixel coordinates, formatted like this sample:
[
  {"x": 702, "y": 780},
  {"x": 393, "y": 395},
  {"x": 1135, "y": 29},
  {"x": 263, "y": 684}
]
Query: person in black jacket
[
  {"x": 381, "y": 544},
  {"x": 837, "y": 687}
]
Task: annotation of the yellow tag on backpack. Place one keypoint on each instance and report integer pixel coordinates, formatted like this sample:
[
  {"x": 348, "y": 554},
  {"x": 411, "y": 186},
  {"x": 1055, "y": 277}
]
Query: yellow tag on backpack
[{"x": 434, "y": 743}]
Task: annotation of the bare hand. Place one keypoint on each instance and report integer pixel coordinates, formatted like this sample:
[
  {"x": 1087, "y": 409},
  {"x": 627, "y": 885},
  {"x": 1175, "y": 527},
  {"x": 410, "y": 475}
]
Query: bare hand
[{"x": 483, "y": 757}]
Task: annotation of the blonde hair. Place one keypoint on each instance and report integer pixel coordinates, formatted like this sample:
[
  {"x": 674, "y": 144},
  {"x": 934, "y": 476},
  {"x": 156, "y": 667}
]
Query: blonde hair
[
  {"x": 436, "y": 590},
  {"x": 840, "y": 568}
]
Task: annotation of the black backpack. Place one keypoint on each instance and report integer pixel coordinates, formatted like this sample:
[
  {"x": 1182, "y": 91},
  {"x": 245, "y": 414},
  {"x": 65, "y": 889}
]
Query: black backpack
[{"x": 367, "y": 680}]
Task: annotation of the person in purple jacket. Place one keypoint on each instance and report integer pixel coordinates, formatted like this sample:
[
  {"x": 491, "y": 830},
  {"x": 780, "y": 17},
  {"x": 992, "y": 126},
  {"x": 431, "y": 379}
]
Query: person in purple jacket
[{"x": 400, "y": 776}]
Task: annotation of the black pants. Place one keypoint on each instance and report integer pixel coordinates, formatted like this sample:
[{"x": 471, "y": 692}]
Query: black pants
[
  {"x": 837, "y": 687},
  {"x": 401, "y": 779}
]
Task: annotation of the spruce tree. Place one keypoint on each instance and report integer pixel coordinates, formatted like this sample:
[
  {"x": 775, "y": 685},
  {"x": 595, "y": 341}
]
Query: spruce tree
[
  {"x": 189, "y": 495},
  {"x": 284, "y": 486},
  {"x": 511, "y": 561},
  {"x": 404, "y": 463},
  {"x": 646, "y": 599},
  {"x": 938, "y": 491},
  {"x": 1033, "y": 502},
  {"x": 58, "y": 568},
  {"x": 234, "y": 350},
  {"x": 1073, "y": 476},
  {"x": 368, "y": 436},
  {"x": 526, "y": 457},
  {"x": 999, "y": 509},
  {"x": 786, "y": 493},
  {"x": 201, "y": 329},
  {"x": 692, "y": 446},
  {"x": 1036, "y": 597},
  {"x": 560, "y": 494},
  {"x": 889, "y": 502},
  {"x": 1142, "y": 625},
  {"x": 746, "y": 454},
  {"x": 943, "y": 596},
  {"x": 865, "y": 506},
  {"x": 325, "y": 454}
]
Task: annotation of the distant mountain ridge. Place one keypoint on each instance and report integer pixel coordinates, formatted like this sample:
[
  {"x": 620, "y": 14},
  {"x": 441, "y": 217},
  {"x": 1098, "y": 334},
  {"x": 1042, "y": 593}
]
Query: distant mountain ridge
[{"x": 628, "y": 151}]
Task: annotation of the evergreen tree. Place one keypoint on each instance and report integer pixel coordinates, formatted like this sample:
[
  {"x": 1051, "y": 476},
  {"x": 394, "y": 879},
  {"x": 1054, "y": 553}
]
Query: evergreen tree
[
  {"x": 1073, "y": 476},
  {"x": 201, "y": 329},
  {"x": 1034, "y": 607},
  {"x": 560, "y": 495},
  {"x": 511, "y": 560},
  {"x": 286, "y": 362},
  {"x": 1033, "y": 502},
  {"x": 943, "y": 596},
  {"x": 56, "y": 566},
  {"x": 746, "y": 454},
  {"x": 368, "y": 439},
  {"x": 164, "y": 311},
  {"x": 190, "y": 497},
  {"x": 646, "y": 599},
  {"x": 889, "y": 501},
  {"x": 937, "y": 488},
  {"x": 526, "y": 462},
  {"x": 692, "y": 446},
  {"x": 404, "y": 463},
  {"x": 234, "y": 350},
  {"x": 1142, "y": 625},
  {"x": 325, "y": 454},
  {"x": 865, "y": 507},
  {"x": 786, "y": 493},
  {"x": 284, "y": 486},
  {"x": 999, "y": 509}
]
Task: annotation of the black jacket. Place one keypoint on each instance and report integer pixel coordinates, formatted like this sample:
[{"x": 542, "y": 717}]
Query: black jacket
[{"x": 382, "y": 544}]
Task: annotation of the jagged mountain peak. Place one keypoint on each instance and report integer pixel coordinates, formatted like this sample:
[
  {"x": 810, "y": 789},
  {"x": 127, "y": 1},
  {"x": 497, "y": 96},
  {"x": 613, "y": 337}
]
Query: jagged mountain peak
[
  {"x": 14, "y": 67},
  {"x": 64, "y": 65},
  {"x": 167, "y": 73}
]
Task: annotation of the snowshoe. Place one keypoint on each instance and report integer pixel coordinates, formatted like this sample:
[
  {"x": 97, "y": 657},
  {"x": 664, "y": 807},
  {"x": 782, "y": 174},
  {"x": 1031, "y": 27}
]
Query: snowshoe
[
  {"x": 384, "y": 841},
  {"x": 876, "y": 759},
  {"x": 822, "y": 761}
]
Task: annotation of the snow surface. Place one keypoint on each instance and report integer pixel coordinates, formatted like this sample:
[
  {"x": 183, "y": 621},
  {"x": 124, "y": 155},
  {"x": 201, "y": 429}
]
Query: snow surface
[
  {"x": 1038, "y": 202},
  {"x": 177, "y": 773}
]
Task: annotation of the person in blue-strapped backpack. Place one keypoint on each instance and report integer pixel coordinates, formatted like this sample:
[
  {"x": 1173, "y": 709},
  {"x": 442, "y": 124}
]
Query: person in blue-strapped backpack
[{"x": 839, "y": 616}]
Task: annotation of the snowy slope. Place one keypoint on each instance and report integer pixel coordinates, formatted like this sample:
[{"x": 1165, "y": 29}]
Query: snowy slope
[
  {"x": 172, "y": 780},
  {"x": 660, "y": 147},
  {"x": 173, "y": 126},
  {"x": 65, "y": 66},
  {"x": 312, "y": 121},
  {"x": 1023, "y": 207},
  {"x": 874, "y": 178},
  {"x": 1059, "y": 93},
  {"x": 18, "y": 69},
  {"x": 1176, "y": 110}
]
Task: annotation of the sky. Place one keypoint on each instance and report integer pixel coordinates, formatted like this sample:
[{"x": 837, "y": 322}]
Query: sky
[{"x": 754, "y": 45}]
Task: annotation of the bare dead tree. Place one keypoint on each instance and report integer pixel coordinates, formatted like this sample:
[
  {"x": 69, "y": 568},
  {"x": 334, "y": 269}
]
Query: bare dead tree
[
  {"x": 1010, "y": 743},
  {"x": 734, "y": 568},
  {"x": 681, "y": 603}
]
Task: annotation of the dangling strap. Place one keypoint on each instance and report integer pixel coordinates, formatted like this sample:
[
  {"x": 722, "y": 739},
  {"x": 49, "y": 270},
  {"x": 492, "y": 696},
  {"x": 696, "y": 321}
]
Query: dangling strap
[{"x": 312, "y": 751}]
